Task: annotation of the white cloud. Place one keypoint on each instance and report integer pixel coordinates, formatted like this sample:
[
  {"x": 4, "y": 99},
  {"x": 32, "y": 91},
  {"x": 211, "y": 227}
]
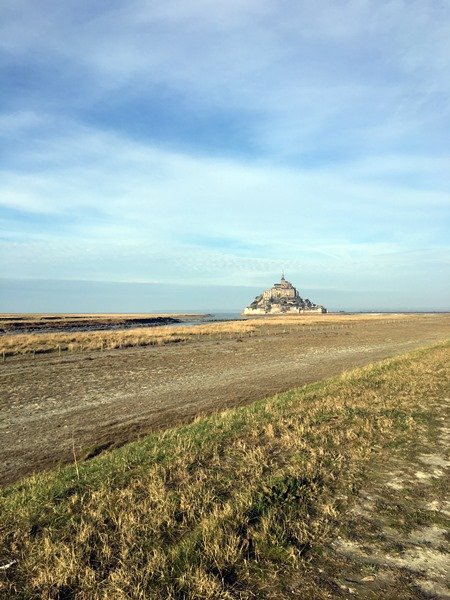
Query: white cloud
[
  {"x": 14, "y": 123},
  {"x": 135, "y": 182},
  {"x": 344, "y": 105},
  {"x": 131, "y": 211},
  {"x": 247, "y": 54}
]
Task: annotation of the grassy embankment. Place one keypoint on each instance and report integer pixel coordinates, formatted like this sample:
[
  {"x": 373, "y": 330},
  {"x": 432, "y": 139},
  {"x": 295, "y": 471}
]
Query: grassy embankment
[
  {"x": 222, "y": 508},
  {"x": 19, "y": 343}
]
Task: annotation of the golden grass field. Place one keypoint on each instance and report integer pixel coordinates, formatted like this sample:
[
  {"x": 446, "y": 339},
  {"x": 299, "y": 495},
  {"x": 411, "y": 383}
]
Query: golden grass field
[
  {"x": 234, "y": 505},
  {"x": 27, "y": 343}
]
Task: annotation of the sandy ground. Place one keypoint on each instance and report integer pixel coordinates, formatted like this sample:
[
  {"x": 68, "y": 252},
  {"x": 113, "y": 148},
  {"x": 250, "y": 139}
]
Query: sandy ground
[
  {"x": 395, "y": 541},
  {"x": 52, "y": 406}
]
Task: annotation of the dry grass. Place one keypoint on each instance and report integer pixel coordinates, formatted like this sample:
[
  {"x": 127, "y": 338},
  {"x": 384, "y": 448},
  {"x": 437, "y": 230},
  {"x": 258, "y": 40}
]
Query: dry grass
[
  {"x": 219, "y": 509},
  {"x": 12, "y": 344}
]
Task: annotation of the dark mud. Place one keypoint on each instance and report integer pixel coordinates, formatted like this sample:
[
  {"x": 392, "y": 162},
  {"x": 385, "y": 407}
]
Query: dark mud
[{"x": 58, "y": 325}]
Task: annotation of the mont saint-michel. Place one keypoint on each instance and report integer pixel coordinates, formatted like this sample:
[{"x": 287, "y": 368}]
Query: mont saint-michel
[{"x": 282, "y": 298}]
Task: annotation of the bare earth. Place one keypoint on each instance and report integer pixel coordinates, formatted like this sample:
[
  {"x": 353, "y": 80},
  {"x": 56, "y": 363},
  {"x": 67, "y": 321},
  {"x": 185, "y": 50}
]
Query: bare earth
[
  {"x": 52, "y": 406},
  {"x": 395, "y": 540}
]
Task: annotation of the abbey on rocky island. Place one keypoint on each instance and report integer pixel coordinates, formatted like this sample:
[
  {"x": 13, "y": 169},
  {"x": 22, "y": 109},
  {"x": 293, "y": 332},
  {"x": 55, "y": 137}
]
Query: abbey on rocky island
[{"x": 282, "y": 298}]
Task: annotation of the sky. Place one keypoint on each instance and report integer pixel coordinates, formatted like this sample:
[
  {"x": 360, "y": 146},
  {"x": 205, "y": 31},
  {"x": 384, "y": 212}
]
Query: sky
[{"x": 179, "y": 155}]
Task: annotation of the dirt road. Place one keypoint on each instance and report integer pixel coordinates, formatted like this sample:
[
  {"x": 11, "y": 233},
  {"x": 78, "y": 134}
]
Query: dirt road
[{"x": 87, "y": 402}]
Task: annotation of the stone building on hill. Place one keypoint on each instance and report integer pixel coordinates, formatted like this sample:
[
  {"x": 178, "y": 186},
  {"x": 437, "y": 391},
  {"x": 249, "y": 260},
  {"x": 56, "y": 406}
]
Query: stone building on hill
[{"x": 282, "y": 298}]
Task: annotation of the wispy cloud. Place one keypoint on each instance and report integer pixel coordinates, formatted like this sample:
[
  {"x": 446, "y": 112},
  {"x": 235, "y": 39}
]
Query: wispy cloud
[{"x": 192, "y": 142}]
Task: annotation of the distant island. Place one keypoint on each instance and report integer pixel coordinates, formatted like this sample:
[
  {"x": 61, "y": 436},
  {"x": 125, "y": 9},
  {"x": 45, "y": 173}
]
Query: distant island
[{"x": 282, "y": 298}]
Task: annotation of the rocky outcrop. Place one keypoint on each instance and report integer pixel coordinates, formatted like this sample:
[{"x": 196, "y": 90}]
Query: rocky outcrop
[{"x": 282, "y": 298}]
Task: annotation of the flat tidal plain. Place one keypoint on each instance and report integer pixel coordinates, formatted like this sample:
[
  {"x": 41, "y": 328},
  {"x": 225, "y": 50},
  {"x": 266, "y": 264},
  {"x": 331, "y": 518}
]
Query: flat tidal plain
[{"x": 58, "y": 408}]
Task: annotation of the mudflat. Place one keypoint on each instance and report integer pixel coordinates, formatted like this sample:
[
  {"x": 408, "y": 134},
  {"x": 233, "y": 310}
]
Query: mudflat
[{"x": 56, "y": 408}]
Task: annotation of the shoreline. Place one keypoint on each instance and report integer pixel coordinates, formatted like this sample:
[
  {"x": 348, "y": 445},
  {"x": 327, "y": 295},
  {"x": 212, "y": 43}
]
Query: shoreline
[{"x": 71, "y": 323}]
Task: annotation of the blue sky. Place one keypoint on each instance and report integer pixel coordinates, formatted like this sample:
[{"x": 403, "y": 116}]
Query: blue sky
[{"x": 196, "y": 143}]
